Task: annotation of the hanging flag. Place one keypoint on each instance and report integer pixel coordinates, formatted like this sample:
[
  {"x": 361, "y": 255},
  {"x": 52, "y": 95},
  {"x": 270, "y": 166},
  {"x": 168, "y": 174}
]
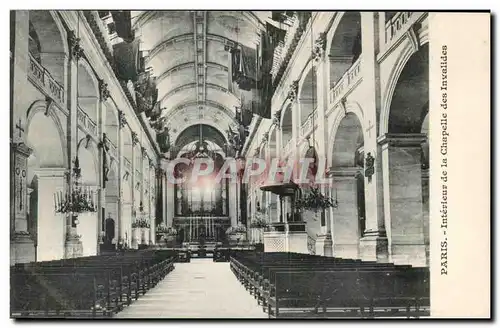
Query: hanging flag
[
  {"x": 127, "y": 60},
  {"x": 146, "y": 93},
  {"x": 123, "y": 24}
]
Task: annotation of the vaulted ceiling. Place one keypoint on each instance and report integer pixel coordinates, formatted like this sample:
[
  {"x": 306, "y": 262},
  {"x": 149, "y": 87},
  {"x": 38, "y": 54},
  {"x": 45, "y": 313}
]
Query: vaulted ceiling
[{"x": 188, "y": 53}]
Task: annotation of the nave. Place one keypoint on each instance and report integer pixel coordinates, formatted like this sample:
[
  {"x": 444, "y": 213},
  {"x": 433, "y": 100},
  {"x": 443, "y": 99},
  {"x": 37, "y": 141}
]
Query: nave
[
  {"x": 153, "y": 284},
  {"x": 199, "y": 289}
]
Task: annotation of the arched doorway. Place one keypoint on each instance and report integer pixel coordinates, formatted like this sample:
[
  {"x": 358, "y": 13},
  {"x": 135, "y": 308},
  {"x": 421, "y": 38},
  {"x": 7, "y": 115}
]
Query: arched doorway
[
  {"x": 406, "y": 145},
  {"x": 44, "y": 177},
  {"x": 348, "y": 220}
]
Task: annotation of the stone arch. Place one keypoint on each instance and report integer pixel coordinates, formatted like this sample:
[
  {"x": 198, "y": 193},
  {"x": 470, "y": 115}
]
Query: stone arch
[
  {"x": 112, "y": 128},
  {"x": 347, "y": 161},
  {"x": 351, "y": 108},
  {"x": 47, "y": 42},
  {"x": 308, "y": 95},
  {"x": 344, "y": 44},
  {"x": 404, "y": 124},
  {"x": 349, "y": 138},
  {"x": 49, "y": 151},
  {"x": 127, "y": 144},
  {"x": 88, "y": 90},
  {"x": 44, "y": 137},
  {"x": 286, "y": 125},
  {"x": 406, "y": 53}
]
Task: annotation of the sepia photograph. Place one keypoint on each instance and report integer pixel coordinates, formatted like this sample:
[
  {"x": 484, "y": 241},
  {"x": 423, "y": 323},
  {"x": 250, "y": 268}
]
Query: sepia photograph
[{"x": 228, "y": 164}]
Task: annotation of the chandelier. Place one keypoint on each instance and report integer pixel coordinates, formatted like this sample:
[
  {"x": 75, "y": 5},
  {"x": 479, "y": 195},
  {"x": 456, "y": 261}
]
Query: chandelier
[{"x": 79, "y": 199}]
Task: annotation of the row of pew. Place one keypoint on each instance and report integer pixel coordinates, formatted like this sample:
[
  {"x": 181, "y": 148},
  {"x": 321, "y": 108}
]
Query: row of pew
[
  {"x": 292, "y": 285},
  {"x": 86, "y": 287}
]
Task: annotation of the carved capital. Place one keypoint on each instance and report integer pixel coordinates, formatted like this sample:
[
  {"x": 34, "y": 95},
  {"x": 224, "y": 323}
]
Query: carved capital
[
  {"x": 319, "y": 47},
  {"x": 265, "y": 137},
  {"x": 22, "y": 148},
  {"x": 76, "y": 50},
  {"x": 144, "y": 152},
  {"x": 293, "y": 90},
  {"x": 135, "y": 138},
  {"x": 103, "y": 90},
  {"x": 277, "y": 118},
  {"x": 122, "y": 120}
]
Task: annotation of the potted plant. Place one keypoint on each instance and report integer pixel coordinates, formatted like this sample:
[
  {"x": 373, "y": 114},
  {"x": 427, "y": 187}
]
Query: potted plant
[
  {"x": 136, "y": 234},
  {"x": 258, "y": 224},
  {"x": 236, "y": 233}
]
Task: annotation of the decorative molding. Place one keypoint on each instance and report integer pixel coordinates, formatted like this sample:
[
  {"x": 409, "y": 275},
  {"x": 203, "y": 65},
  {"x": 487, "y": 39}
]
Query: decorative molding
[
  {"x": 293, "y": 91},
  {"x": 412, "y": 35},
  {"x": 277, "y": 118},
  {"x": 88, "y": 138},
  {"x": 122, "y": 120},
  {"x": 22, "y": 149},
  {"x": 103, "y": 90},
  {"x": 265, "y": 137},
  {"x": 76, "y": 50},
  {"x": 369, "y": 166},
  {"x": 319, "y": 47},
  {"x": 49, "y": 105},
  {"x": 135, "y": 138}
]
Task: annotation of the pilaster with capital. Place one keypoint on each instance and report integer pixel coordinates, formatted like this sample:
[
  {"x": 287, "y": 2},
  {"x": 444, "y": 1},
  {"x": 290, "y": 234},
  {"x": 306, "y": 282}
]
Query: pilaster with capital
[{"x": 374, "y": 242}]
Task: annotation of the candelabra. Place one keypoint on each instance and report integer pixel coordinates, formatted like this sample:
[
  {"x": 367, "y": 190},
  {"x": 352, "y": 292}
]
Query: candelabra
[{"x": 78, "y": 199}]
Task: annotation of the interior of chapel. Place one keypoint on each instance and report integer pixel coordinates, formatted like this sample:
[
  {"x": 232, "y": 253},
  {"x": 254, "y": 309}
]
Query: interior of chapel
[{"x": 104, "y": 101}]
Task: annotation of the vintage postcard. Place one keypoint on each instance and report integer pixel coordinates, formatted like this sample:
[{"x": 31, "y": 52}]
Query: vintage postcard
[{"x": 249, "y": 164}]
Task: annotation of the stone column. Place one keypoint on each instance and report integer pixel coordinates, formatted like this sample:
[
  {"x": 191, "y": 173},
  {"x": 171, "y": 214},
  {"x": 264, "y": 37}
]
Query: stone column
[
  {"x": 20, "y": 61},
  {"x": 73, "y": 246},
  {"x": 167, "y": 195},
  {"x": 233, "y": 202},
  {"x": 374, "y": 241},
  {"x": 404, "y": 215},
  {"x": 22, "y": 245},
  {"x": 345, "y": 231},
  {"x": 55, "y": 229}
]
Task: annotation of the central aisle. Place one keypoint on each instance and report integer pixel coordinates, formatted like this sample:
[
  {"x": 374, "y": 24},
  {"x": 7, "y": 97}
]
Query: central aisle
[{"x": 200, "y": 289}]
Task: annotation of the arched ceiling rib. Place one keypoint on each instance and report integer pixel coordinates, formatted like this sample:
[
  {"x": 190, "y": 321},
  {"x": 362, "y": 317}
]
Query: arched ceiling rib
[{"x": 188, "y": 54}]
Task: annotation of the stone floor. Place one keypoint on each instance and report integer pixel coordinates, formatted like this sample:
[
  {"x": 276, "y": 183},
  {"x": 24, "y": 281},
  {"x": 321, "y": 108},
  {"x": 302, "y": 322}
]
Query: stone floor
[{"x": 200, "y": 289}]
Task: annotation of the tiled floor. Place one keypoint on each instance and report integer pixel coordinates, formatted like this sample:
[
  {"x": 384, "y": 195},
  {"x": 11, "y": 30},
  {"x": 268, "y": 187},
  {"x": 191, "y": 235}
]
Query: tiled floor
[{"x": 200, "y": 289}]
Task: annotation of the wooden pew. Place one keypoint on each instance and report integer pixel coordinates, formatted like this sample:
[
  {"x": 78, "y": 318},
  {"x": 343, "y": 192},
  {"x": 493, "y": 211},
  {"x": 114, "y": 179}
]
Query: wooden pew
[
  {"x": 282, "y": 283},
  {"x": 87, "y": 286}
]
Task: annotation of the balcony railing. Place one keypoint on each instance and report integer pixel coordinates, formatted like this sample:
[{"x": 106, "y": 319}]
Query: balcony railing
[
  {"x": 307, "y": 127},
  {"x": 41, "y": 76},
  {"x": 86, "y": 122},
  {"x": 345, "y": 84},
  {"x": 396, "y": 24}
]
